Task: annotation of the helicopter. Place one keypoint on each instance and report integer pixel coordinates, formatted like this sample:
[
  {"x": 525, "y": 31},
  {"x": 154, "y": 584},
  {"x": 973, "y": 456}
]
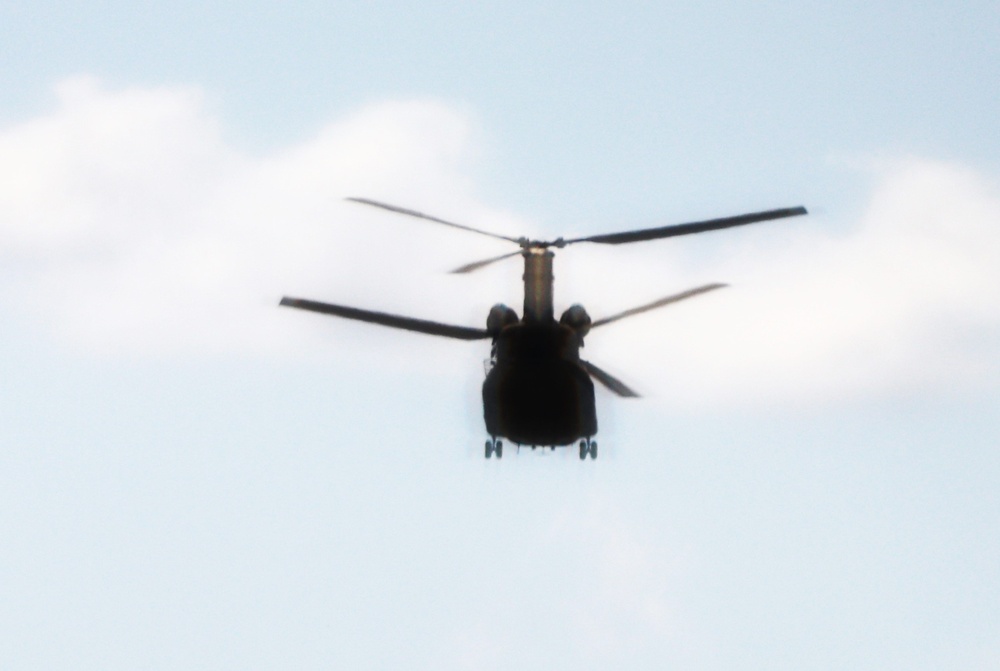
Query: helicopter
[{"x": 538, "y": 391}]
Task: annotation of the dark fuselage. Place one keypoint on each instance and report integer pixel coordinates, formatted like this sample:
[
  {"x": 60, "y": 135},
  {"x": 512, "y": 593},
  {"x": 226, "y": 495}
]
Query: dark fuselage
[{"x": 536, "y": 392}]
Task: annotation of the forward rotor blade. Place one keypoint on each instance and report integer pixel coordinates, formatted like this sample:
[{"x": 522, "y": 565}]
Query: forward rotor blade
[
  {"x": 694, "y": 227},
  {"x": 608, "y": 380},
  {"x": 393, "y": 321},
  {"x": 660, "y": 303},
  {"x": 421, "y": 215},
  {"x": 468, "y": 268}
]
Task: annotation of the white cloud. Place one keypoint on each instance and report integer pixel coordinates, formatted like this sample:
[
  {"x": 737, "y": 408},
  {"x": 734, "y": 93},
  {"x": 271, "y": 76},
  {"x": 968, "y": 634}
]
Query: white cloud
[
  {"x": 907, "y": 296},
  {"x": 128, "y": 225}
]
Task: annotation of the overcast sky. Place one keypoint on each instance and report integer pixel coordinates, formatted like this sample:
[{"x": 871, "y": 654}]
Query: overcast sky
[{"x": 193, "y": 478}]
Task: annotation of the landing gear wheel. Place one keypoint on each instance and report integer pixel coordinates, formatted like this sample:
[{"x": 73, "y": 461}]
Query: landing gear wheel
[
  {"x": 583, "y": 449},
  {"x": 489, "y": 449},
  {"x": 499, "y": 449},
  {"x": 593, "y": 449}
]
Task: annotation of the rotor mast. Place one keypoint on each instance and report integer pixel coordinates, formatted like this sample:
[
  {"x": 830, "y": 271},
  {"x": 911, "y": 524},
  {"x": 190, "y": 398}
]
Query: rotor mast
[{"x": 538, "y": 285}]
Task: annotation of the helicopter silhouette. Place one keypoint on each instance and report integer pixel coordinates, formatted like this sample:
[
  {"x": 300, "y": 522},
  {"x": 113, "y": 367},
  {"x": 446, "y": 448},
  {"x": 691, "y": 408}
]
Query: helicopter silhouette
[{"x": 538, "y": 391}]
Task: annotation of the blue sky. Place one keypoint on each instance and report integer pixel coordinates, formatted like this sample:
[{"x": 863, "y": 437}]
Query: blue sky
[{"x": 193, "y": 478}]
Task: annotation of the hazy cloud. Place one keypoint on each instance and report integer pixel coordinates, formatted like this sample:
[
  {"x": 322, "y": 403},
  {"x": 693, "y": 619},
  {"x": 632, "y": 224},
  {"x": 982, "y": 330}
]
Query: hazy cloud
[
  {"x": 127, "y": 224},
  {"x": 907, "y": 295},
  {"x": 631, "y": 580}
]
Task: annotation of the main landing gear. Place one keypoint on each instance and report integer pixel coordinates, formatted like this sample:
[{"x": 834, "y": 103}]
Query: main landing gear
[
  {"x": 588, "y": 447},
  {"x": 494, "y": 446}
]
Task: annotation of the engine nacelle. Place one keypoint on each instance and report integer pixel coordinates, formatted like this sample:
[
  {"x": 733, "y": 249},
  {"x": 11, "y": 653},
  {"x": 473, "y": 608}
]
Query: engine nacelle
[
  {"x": 499, "y": 317},
  {"x": 577, "y": 319}
]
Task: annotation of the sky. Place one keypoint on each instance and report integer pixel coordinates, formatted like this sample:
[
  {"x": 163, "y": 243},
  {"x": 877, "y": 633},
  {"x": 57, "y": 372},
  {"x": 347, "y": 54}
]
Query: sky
[{"x": 193, "y": 478}]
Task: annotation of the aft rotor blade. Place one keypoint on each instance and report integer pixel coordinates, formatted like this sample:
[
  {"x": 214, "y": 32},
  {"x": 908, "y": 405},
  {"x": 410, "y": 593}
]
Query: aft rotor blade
[
  {"x": 421, "y": 215},
  {"x": 660, "y": 303},
  {"x": 468, "y": 268},
  {"x": 694, "y": 227},
  {"x": 608, "y": 380},
  {"x": 394, "y": 321}
]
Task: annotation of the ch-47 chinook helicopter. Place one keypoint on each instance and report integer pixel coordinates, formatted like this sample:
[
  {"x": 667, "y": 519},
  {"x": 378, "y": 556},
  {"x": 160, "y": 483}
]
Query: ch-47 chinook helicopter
[{"x": 538, "y": 390}]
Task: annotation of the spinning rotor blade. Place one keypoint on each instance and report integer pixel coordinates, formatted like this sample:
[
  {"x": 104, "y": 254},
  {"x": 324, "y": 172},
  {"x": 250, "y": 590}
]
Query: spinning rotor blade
[
  {"x": 694, "y": 227},
  {"x": 608, "y": 380},
  {"x": 394, "y": 321},
  {"x": 421, "y": 215},
  {"x": 660, "y": 303},
  {"x": 469, "y": 267}
]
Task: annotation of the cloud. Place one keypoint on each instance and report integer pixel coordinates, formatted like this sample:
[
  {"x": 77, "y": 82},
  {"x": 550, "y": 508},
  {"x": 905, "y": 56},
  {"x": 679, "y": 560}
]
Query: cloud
[
  {"x": 629, "y": 577},
  {"x": 906, "y": 297},
  {"x": 128, "y": 224}
]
